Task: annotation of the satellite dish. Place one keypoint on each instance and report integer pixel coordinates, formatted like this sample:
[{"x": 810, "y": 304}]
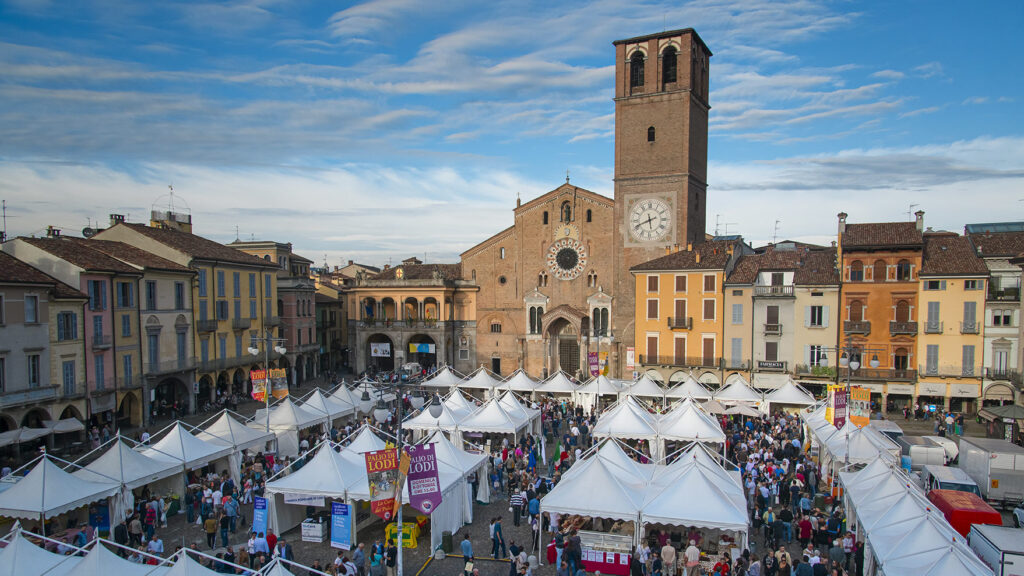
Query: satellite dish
[{"x": 88, "y": 232}]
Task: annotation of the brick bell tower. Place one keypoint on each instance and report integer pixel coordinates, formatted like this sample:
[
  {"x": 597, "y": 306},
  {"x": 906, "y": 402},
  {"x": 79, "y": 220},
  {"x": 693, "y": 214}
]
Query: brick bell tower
[{"x": 661, "y": 158}]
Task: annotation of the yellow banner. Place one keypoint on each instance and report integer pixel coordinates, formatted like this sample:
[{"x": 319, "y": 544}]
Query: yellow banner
[{"x": 860, "y": 406}]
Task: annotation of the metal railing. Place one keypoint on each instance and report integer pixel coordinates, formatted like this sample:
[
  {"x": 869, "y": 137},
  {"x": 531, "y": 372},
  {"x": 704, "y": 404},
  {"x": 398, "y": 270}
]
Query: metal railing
[
  {"x": 818, "y": 371},
  {"x": 677, "y": 323},
  {"x": 933, "y": 327},
  {"x": 773, "y": 291},
  {"x": 11, "y": 398},
  {"x": 241, "y": 323},
  {"x": 1004, "y": 294},
  {"x": 850, "y": 327},
  {"x": 1012, "y": 376},
  {"x": 902, "y": 328},
  {"x": 970, "y": 328},
  {"x": 170, "y": 366},
  {"x": 681, "y": 361},
  {"x": 102, "y": 342},
  {"x": 880, "y": 374},
  {"x": 951, "y": 370},
  {"x": 774, "y": 329},
  {"x": 206, "y": 325}
]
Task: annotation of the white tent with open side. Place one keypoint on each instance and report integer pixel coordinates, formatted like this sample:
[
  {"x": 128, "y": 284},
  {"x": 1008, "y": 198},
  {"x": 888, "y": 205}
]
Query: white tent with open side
[
  {"x": 737, "y": 391},
  {"x": 627, "y": 419},
  {"x": 21, "y": 557},
  {"x": 48, "y": 491},
  {"x": 180, "y": 446},
  {"x": 133, "y": 469},
  {"x": 689, "y": 388},
  {"x": 688, "y": 422},
  {"x": 445, "y": 379},
  {"x": 558, "y": 383},
  {"x": 334, "y": 408},
  {"x": 227, "y": 431},
  {"x": 100, "y": 561},
  {"x": 20, "y": 435},
  {"x": 520, "y": 382},
  {"x": 457, "y": 402},
  {"x": 789, "y": 394},
  {"x": 287, "y": 419},
  {"x": 646, "y": 387},
  {"x": 493, "y": 418},
  {"x": 481, "y": 380}
]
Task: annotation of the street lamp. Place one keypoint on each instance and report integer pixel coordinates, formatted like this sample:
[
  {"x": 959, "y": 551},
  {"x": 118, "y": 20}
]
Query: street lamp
[
  {"x": 850, "y": 359},
  {"x": 365, "y": 402},
  {"x": 267, "y": 340}
]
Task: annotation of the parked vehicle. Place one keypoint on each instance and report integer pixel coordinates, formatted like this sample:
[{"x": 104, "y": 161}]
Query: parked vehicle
[
  {"x": 1000, "y": 547},
  {"x": 949, "y": 445},
  {"x": 963, "y": 509},
  {"x": 1018, "y": 515},
  {"x": 887, "y": 427},
  {"x": 997, "y": 466},
  {"x": 921, "y": 451},
  {"x": 947, "y": 478}
]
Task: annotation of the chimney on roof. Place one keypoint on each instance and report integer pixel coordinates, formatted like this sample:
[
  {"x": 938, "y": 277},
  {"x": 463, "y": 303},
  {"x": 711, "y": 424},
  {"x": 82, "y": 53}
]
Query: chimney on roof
[
  {"x": 689, "y": 246},
  {"x": 842, "y": 222},
  {"x": 52, "y": 232},
  {"x": 919, "y": 223},
  {"x": 116, "y": 219},
  {"x": 387, "y": 266},
  {"x": 696, "y": 256},
  {"x": 350, "y": 262},
  {"x": 668, "y": 249}
]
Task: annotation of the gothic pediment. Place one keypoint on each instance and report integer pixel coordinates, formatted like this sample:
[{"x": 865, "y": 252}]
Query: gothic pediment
[{"x": 536, "y": 297}]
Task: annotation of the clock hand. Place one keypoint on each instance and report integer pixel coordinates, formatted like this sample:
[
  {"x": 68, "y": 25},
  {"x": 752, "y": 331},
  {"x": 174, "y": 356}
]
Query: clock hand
[{"x": 649, "y": 220}]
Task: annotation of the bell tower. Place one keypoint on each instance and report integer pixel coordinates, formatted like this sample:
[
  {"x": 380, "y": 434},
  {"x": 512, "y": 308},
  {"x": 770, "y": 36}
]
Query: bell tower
[{"x": 661, "y": 156}]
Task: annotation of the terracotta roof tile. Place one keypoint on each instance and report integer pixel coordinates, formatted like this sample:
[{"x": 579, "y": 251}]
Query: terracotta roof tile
[
  {"x": 713, "y": 256},
  {"x": 422, "y": 272},
  {"x": 132, "y": 255},
  {"x": 949, "y": 254},
  {"x": 197, "y": 246},
  {"x": 812, "y": 267},
  {"x": 14, "y": 271},
  {"x": 998, "y": 244},
  {"x": 77, "y": 252},
  {"x": 818, "y": 269},
  {"x": 881, "y": 234}
]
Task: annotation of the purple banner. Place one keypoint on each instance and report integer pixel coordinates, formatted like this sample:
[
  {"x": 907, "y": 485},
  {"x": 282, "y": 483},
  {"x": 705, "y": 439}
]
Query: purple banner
[
  {"x": 424, "y": 485},
  {"x": 592, "y": 360}
]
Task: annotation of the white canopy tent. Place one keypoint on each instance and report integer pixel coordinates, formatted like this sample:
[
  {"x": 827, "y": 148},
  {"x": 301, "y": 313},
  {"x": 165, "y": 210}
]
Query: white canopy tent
[
  {"x": 180, "y": 446},
  {"x": 21, "y": 558},
  {"x": 688, "y": 422},
  {"x": 48, "y": 491},
  {"x": 558, "y": 383},
  {"x": 227, "y": 431},
  {"x": 423, "y": 421},
  {"x": 743, "y": 410},
  {"x": 689, "y": 388},
  {"x": 132, "y": 469},
  {"x": 445, "y": 379},
  {"x": 347, "y": 396},
  {"x": 587, "y": 395},
  {"x": 646, "y": 387},
  {"x": 517, "y": 409},
  {"x": 627, "y": 419},
  {"x": 287, "y": 419},
  {"x": 375, "y": 394},
  {"x": 100, "y": 561},
  {"x": 737, "y": 391},
  {"x": 789, "y": 394},
  {"x": 713, "y": 407},
  {"x": 335, "y": 408},
  {"x": 456, "y": 402},
  {"x": 520, "y": 382},
  {"x": 482, "y": 379},
  {"x": 493, "y": 418},
  {"x": 20, "y": 435},
  {"x": 64, "y": 425},
  {"x": 184, "y": 565},
  {"x": 365, "y": 440}
]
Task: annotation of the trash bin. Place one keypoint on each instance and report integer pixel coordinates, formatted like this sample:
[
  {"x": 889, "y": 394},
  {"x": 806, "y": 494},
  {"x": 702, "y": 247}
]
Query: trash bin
[
  {"x": 819, "y": 501},
  {"x": 446, "y": 542}
]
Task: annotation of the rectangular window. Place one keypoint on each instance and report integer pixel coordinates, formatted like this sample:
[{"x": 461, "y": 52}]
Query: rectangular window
[
  {"x": 495, "y": 329},
  {"x": 203, "y": 314},
  {"x": 181, "y": 341},
  {"x": 652, "y": 283},
  {"x": 153, "y": 349},
  {"x": 67, "y": 371},
  {"x": 238, "y": 308},
  {"x": 679, "y": 350},
  {"x": 935, "y": 285},
  {"x": 67, "y": 326},
  {"x": 204, "y": 350},
  {"x": 202, "y": 283},
  {"x": 652, "y": 309},
  {"x": 126, "y": 364},
  {"x": 771, "y": 351},
  {"x": 33, "y": 370},
  {"x": 222, "y": 309},
  {"x": 125, "y": 295},
  {"x": 179, "y": 295},
  {"x": 709, "y": 310},
  {"x": 816, "y": 353},
  {"x": 97, "y": 326},
  {"x": 652, "y": 349},
  {"x": 737, "y": 313},
  {"x": 252, "y": 285},
  {"x": 236, "y": 284},
  {"x": 3, "y": 374},
  {"x": 150, "y": 295},
  {"x": 266, "y": 286},
  {"x": 222, "y": 346},
  {"x": 710, "y": 282},
  {"x": 270, "y": 308},
  {"x": 932, "y": 359},
  {"x": 681, "y": 283},
  {"x": 933, "y": 314},
  {"x": 463, "y": 354},
  {"x": 817, "y": 319},
  {"x": 968, "y": 360},
  {"x": 736, "y": 359},
  {"x": 708, "y": 351},
  {"x": 856, "y": 274},
  {"x": 97, "y": 295},
  {"x": 252, "y": 309},
  {"x": 100, "y": 369},
  {"x": 971, "y": 285},
  {"x": 220, "y": 284},
  {"x": 238, "y": 346},
  {"x": 737, "y": 292},
  {"x": 680, "y": 311},
  {"x": 126, "y": 325},
  {"x": 31, "y": 309},
  {"x": 3, "y": 312},
  {"x": 970, "y": 314}
]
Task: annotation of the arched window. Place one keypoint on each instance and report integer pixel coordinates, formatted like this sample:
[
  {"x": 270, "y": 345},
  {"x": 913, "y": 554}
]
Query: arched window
[
  {"x": 533, "y": 319},
  {"x": 588, "y": 215},
  {"x": 879, "y": 273},
  {"x": 668, "y": 65},
  {"x": 501, "y": 253},
  {"x": 636, "y": 69},
  {"x": 903, "y": 270},
  {"x": 473, "y": 274},
  {"x": 542, "y": 279},
  {"x": 650, "y": 134},
  {"x": 566, "y": 211},
  {"x": 592, "y": 279},
  {"x": 856, "y": 271},
  {"x": 604, "y": 321},
  {"x": 545, "y": 216}
]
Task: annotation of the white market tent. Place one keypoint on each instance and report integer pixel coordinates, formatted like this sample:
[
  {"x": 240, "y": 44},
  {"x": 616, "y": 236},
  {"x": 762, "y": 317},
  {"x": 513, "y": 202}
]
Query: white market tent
[
  {"x": 456, "y": 402},
  {"x": 333, "y": 407},
  {"x": 713, "y": 407},
  {"x": 689, "y": 388},
  {"x": 627, "y": 419},
  {"x": 558, "y": 383},
  {"x": 595, "y": 488},
  {"x": 743, "y": 410},
  {"x": 180, "y": 446},
  {"x": 186, "y": 566},
  {"x": 64, "y": 425},
  {"x": 344, "y": 394},
  {"x": 230, "y": 432},
  {"x": 120, "y": 462},
  {"x": 100, "y": 561},
  {"x": 20, "y": 435},
  {"x": 448, "y": 420},
  {"x": 519, "y": 382},
  {"x": 367, "y": 386},
  {"x": 481, "y": 380},
  {"x": 517, "y": 409},
  {"x": 365, "y": 441},
  {"x": 493, "y": 418},
  {"x": 737, "y": 391},
  {"x": 687, "y": 421},
  {"x": 21, "y": 557},
  {"x": 603, "y": 385},
  {"x": 286, "y": 420},
  {"x": 445, "y": 378},
  {"x": 646, "y": 387},
  {"x": 48, "y": 491},
  {"x": 789, "y": 394}
]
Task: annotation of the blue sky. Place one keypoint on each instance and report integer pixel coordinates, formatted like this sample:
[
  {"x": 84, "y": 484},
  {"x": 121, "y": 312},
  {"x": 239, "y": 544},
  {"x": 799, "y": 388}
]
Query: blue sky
[{"x": 377, "y": 130}]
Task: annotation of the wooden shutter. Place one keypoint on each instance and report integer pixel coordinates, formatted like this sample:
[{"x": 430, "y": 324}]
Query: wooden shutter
[
  {"x": 709, "y": 309},
  {"x": 652, "y": 283},
  {"x": 652, "y": 309},
  {"x": 708, "y": 351},
  {"x": 680, "y": 350},
  {"x": 773, "y": 315},
  {"x": 652, "y": 349},
  {"x": 680, "y": 310},
  {"x": 680, "y": 283}
]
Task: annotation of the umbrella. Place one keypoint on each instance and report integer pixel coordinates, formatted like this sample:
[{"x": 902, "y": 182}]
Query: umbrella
[
  {"x": 743, "y": 410},
  {"x": 714, "y": 407}
]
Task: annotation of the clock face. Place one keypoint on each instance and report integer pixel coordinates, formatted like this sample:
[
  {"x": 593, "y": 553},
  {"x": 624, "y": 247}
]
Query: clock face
[
  {"x": 649, "y": 219},
  {"x": 566, "y": 258}
]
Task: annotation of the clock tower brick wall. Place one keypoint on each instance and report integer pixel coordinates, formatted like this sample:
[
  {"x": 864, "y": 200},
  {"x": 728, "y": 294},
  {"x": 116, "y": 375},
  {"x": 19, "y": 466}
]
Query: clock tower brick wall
[{"x": 667, "y": 163}]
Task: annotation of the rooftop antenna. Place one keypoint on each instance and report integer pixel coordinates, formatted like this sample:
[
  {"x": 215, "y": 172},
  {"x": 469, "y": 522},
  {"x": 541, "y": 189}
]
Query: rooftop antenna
[
  {"x": 3, "y": 233},
  {"x": 910, "y": 211},
  {"x": 566, "y": 175},
  {"x": 236, "y": 232},
  {"x": 775, "y": 233},
  {"x": 719, "y": 223}
]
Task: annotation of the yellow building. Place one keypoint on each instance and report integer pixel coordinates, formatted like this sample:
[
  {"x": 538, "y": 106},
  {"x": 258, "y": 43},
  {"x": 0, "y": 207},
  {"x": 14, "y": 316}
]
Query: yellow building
[
  {"x": 952, "y": 295},
  {"x": 679, "y": 313}
]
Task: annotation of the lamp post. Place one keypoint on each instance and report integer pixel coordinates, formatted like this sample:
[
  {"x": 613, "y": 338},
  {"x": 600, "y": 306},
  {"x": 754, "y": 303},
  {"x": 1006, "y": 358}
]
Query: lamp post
[
  {"x": 267, "y": 340},
  {"x": 850, "y": 356},
  {"x": 380, "y": 414}
]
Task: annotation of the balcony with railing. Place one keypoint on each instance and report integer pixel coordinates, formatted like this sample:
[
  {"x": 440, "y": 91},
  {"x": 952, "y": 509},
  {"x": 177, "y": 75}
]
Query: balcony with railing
[
  {"x": 806, "y": 370},
  {"x": 851, "y": 327},
  {"x": 272, "y": 321},
  {"x": 694, "y": 361},
  {"x": 1006, "y": 375},
  {"x": 970, "y": 328},
  {"x": 129, "y": 381},
  {"x": 680, "y": 323},
  {"x": 772, "y": 329},
  {"x": 170, "y": 366},
  {"x": 71, "y": 390},
  {"x": 100, "y": 342},
  {"x": 885, "y": 374},
  {"x": 773, "y": 291},
  {"x": 903, "y": 328},
  {"x": 950, "y": 370},
  {"x": 206, "y": 325},
  {"x": 1004, "y": 294},
  {"x": 241, "y": 323},
  {"x": 772, "y": 365},
  {"x": 933, "y": 327},
  {"x": 13, "y": 398},
  {"x": 736, "y": 364}
]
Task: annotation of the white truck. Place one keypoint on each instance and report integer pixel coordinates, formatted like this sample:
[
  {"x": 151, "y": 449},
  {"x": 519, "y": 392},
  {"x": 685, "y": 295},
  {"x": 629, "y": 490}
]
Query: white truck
[
  {"x": 921, "y": 451},
  {"x": 1000, "y": 547},
  {"x": 997, "y": 466}
]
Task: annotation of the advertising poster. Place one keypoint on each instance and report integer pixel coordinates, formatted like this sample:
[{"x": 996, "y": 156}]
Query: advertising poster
[
  {"x": 382, "y": 473},
  {"x": 859, "y": 405},
  {"x": 838, "y": 403},
  {"x": 592, "y": 362},
  {"x": 278, "y": 383},
  {"x": 341, "y": 526},
  {"x": 380, "y": 349},
  {"x": 259, "y": 515},
  {"x": 424, "y": 485},
  {"x": 603, "y": 362},
  {"x": 630, "y": 358}
]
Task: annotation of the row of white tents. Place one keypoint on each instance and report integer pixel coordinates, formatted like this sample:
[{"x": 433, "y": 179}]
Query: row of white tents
[
  {"x": 902, "y": 531},
  {"x": 21, "y": 556},
  {"x": 503, "y": 414},
  {"x": 687, "y": 421}
]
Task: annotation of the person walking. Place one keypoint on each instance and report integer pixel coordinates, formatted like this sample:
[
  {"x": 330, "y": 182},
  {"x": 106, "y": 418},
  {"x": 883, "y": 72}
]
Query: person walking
[
  {"x": 467, "y": 554},
  {"x": 225, "y": 525},
  {"x": 499, "y": 540},
  {"x": 210, "y": 526}
]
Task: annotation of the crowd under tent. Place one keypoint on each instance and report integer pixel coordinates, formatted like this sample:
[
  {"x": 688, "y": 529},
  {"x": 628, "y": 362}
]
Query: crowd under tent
[
  {"x": 737, "y": 391},
  {"x": 227, "y": 431},
  {"x": 48, "y": 491},
  {"x": 689, "y": 388},
  {"x": 121, "y": 463},
  {"x": 520, "y": 382},
  {"x": 788, "y": 395},
  {"x": 558, "y": 383},
  {"x": 287, "y": 419},
  {"x": 589, "y": 394},
  {"x": 445, "y": 379},
  {"x": 482, "y": 379}
]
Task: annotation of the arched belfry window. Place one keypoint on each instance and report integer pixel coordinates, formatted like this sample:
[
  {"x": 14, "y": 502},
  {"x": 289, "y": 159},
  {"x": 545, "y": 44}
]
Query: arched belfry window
[
  {"x": 668, "y": 65},
  {"x": 636, "y": 69},
  {"x": 650, "y": 134},
  {"x": 566, "y": 211}
]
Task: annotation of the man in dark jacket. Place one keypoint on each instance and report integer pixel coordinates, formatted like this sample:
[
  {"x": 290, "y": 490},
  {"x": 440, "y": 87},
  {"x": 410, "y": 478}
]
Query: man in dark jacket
[{"x": 121, "y": 537}]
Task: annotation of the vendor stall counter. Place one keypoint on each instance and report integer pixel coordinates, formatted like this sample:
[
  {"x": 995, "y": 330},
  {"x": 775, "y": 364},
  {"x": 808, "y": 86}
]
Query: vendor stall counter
[{"x": 607, "y": 553}]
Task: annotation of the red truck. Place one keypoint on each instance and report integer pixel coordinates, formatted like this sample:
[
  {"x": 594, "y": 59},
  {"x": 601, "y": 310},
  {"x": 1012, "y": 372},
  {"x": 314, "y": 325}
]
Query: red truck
[{"x": 962, "y": 509}]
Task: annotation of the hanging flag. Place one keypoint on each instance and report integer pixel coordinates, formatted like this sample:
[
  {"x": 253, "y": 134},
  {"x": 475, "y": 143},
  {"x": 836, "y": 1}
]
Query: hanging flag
[
  {"x": 424, "y": 485},
  {"x": 382, "y": 474}
]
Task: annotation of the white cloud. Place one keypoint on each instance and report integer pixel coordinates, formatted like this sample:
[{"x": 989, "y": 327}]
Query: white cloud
[
  {"x": 976, "y": 100},
  {"x": 929, "y": 70},
  {"x": 920, "y": 111},
  {"x": 889, "y": 74}
]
